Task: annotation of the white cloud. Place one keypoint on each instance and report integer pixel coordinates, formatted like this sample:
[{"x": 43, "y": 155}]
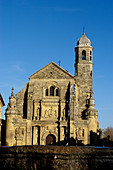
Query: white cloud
[{"x": 17, "y": 68}]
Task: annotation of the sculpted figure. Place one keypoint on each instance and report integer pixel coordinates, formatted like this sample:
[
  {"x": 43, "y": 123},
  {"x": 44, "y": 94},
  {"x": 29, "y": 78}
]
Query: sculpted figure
[
  {"x": 22, "y": 131},
  {"x": 80, "y": 132},
  {"x": 64, "y": 114},
  {"x": 38, "y": 112},
  {"x": 16, "y": 132},
  {"x": 46, "y": 114},
  {"x": 55, "y": 113},
  {"x": 50, "y": 113}
]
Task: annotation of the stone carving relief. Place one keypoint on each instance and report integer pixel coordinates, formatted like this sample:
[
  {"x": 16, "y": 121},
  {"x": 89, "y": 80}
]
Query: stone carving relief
[
  {"x": 50, "y": 113},
  {"x": 19, "y": 131},
  {"x": 37, "y": 112},
  {"x": 81, "y": 132},
  {"x": 48, "y": 130}
]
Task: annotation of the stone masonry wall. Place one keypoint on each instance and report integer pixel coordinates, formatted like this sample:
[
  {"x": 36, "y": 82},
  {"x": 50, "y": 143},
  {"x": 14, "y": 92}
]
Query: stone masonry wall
[{"x": 56, "y": 157}]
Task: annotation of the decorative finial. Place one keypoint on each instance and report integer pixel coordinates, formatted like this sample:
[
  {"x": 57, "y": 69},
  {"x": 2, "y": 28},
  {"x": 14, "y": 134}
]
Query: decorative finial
[
  {"x": 83, "y": 30},
  {"x": 12, "y": 94}
]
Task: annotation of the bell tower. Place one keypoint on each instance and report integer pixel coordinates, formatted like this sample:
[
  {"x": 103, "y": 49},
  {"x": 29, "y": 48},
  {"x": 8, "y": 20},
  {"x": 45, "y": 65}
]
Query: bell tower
[
  {"x": 83, "y": 71},
  {"x": 85, "y": 101}
]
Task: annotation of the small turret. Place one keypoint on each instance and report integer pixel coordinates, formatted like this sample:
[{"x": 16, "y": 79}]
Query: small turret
[
  {"x": 10, "y": 114},
  {"x": 11, "y": 108},
  {"x": 91, "y": 110},
  {"x": 92, "y": 114}
]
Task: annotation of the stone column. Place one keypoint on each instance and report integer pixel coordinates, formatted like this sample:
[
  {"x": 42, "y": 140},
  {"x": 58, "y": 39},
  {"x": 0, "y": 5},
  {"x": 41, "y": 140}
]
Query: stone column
[
  {"x": 29, "y": 107},
  {"x": 29, "y": 133},
  {"x": 62, "y": 135},
  {"x": 35, "y": 135},
  {"x": 11, "y": 112}
]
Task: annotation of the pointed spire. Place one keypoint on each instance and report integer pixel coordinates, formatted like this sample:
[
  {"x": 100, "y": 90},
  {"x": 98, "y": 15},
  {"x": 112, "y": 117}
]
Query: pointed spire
[
  {"x": 12, "y": 99},
  {"x": 84, "y": 40}
]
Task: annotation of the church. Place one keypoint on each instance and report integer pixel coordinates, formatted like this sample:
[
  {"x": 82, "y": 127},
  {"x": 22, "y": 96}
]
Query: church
[{"x": 54, "y": 105}]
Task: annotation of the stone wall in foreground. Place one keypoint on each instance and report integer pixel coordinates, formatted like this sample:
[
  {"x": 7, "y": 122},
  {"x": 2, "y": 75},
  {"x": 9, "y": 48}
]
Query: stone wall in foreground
[{"x": 56, "y": 157}]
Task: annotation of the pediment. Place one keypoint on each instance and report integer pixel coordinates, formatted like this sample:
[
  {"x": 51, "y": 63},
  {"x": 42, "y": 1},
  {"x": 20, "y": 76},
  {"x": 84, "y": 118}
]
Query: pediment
[{"x": 51, "y": 71}]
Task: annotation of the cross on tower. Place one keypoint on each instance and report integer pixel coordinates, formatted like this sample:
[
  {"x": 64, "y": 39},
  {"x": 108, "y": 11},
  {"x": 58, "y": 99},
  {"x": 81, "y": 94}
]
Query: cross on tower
[
  {"x": 83, "y": 30},
  {"x": 59, "y": 62}
]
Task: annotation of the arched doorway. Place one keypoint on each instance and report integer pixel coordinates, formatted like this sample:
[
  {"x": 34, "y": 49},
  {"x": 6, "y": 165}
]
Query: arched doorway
[{"x": 50, "y": 139}]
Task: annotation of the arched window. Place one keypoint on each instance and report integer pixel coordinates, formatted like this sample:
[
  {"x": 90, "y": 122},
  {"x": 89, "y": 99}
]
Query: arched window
[
  {"x": 50, "y": 139},
  {"x": 51, "y": 91},
  {"x": 90, "y": 55},
  {"x": 57, "y": 92},
  {"x": 83, "y": 55},
  {"x": 46, "y": 92}
]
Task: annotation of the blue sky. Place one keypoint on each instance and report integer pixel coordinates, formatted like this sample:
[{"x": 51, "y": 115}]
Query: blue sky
[{"x": 35, "y": 32}]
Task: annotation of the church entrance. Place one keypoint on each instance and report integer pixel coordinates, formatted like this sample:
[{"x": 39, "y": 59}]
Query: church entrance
[{"x": 50, "y": 139}]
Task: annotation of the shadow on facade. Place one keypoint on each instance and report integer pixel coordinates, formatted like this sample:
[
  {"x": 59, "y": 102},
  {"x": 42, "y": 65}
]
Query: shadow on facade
[
  {"x": 94, "y": 141},
  {"x": 105, "y": 142},
  {"x": 25, "y": 102},
  {"x": 3, "y": 133},
  {"x": 70, "y": 142},
  {"x": 84, "y": 115},
  {"x": 67, "y": 100}
]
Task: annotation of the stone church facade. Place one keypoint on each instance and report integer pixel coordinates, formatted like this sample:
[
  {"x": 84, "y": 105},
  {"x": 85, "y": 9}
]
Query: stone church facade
[{"x": 54, "y": 105}]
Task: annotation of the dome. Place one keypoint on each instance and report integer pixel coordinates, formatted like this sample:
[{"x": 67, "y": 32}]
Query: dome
[{"x": 84, "y": 41}]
